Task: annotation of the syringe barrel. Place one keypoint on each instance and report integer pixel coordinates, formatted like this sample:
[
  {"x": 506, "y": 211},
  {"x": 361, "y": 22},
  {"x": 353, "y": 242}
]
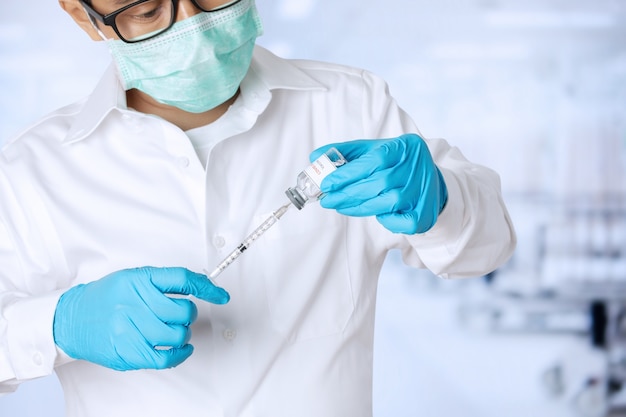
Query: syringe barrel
[
  {"x": 245, "y": 244},
  {"x": 258, "y": 232}
]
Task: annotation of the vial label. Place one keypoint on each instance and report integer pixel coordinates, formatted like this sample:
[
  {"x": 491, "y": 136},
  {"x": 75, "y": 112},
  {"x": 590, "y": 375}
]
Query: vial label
[{"x": 320, "y": 169}]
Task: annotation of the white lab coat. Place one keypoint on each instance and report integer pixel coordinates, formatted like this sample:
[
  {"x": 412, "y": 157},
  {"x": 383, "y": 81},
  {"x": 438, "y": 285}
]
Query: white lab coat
[{"x": 96, "y": 187}]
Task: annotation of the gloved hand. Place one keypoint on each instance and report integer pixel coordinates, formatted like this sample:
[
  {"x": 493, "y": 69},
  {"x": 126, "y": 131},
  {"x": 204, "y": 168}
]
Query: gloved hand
[
  {"x": 119, "y": 320},
  {"x": 395, "y": 180}
]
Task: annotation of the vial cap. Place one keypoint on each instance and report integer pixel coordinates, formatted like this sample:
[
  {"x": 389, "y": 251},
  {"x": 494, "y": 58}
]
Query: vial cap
[{"x": 296, "y": 198}]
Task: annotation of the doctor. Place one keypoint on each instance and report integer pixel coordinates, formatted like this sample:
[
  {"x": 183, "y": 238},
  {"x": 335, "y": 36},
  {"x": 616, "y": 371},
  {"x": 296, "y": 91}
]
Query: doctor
[{"x": 112, "y": 206}]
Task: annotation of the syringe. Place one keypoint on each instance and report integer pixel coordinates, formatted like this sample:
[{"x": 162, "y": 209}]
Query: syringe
[{"x": 258, "y": 232}]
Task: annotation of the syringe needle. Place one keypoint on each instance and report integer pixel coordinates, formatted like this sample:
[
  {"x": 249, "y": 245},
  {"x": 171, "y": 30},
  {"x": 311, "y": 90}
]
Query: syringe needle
[{"x": 245, "y": 244}]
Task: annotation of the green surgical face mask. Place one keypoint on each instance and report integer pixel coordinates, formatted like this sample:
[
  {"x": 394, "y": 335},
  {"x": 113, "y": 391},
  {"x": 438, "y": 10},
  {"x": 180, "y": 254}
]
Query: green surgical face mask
[{"x": 198, "y": 63}]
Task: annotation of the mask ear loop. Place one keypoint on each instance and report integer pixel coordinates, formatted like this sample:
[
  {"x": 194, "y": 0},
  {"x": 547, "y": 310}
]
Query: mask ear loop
[{"x": 94, "y": 25}]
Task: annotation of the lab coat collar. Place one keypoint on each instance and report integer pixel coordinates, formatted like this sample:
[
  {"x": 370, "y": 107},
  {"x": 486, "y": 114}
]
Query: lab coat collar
[
  {"x": 279, "y": 73},
  {"x": 109, "y": 95}
]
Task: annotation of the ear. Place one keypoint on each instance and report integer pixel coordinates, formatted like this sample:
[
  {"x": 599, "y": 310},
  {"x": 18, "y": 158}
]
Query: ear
[{"x": 78, "y": 13}]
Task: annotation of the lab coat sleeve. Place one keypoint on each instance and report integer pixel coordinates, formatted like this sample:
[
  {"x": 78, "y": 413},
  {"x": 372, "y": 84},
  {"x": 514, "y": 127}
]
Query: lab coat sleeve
[
  {"x": 27, "y": 348},
  {"x": 474, "y": 234}
]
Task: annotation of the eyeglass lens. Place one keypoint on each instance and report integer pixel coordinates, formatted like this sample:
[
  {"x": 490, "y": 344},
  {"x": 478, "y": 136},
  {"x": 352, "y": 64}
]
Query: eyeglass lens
[{"x": 148, "y": 19}]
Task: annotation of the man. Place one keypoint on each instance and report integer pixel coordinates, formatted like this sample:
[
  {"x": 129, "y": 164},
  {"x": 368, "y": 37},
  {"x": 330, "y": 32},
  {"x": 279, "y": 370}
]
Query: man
[{"x": 113, "y": 206}]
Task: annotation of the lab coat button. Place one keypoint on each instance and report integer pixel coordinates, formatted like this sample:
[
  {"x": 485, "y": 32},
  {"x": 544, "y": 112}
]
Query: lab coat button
[
  {"x": 219, "y": 242},
  {"x": 229, "y": 334},
  {"x": 38, "y": 359},
  {"x": 183, "y": 162}
]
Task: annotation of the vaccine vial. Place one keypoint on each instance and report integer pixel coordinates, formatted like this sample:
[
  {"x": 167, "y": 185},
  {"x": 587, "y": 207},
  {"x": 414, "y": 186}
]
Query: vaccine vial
[{"x": 308, "y": 183}]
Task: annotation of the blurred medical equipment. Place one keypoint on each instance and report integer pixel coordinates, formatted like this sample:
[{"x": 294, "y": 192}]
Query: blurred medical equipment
[{"x": 577, "y": 287}]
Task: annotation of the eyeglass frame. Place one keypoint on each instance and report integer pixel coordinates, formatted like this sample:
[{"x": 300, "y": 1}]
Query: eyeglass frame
[{"x": 109, "y": 19}]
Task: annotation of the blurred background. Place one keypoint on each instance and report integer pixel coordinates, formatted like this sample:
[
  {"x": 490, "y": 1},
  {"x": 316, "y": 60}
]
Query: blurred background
[{"x": 535, "y": 90}]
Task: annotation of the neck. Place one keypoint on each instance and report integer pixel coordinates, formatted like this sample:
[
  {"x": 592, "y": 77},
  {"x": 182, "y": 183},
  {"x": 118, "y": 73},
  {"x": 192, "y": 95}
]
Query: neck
[{"x": 184, "y": 120}]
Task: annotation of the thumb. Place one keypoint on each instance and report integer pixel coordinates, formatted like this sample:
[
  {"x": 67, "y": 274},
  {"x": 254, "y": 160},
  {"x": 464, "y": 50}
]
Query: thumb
[
  {"x": 170, "y": 358},
  {"x": 178, "y": 280},
  {"x": 350, "y": 150}
]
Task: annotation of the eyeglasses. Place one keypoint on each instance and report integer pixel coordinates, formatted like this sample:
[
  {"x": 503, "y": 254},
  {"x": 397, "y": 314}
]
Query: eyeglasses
[{"x": 145, "y": 19}]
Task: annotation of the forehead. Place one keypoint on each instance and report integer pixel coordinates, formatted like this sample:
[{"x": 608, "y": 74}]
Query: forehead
[{"x": 109, "y": 4}]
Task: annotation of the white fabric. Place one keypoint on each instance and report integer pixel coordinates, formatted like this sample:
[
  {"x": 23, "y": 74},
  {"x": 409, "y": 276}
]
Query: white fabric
[{"x": 96, "y": 187}]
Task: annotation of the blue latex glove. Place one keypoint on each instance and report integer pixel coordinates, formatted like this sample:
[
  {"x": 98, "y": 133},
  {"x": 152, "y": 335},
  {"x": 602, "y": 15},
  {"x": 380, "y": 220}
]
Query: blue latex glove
[
  {"x": 119, "y": 320},
  {"x": 395, "y": 180}
]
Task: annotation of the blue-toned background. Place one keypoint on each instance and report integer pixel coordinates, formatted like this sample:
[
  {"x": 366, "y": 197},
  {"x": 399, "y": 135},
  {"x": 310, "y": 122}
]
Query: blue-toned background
[{"x": 535, "y": 90}]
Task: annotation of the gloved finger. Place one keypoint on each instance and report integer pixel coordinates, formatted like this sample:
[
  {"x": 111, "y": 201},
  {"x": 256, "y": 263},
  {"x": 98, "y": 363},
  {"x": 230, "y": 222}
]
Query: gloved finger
[
  {"x": 380, "y": 204},
  {"x": 167, "y": 309},
  {"x": 183, "y": 281},
  {"x": 174, "y": 336},
  {"x": 377, "y": 159},
  {"x": 164, "y": 358},
  {"x": 154, "y": 332},
  {"x": 174, "y": 310},
  {"x": 170, "y": 358},
  {"x": 350, "y": 150},
  {"x": 349, "y": 196},
  {"x": 367, "y": 189},
  {"x": 135, "y": 352},
  {"x": 408, "y": 222},
  {"x": 186, "y": 312}
]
